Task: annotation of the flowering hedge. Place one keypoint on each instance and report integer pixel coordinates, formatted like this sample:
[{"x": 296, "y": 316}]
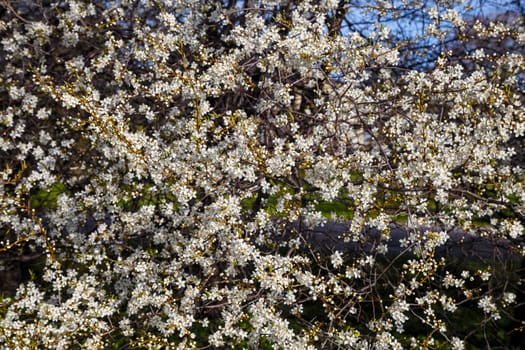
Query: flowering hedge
[{"x": 167, "y": 166}]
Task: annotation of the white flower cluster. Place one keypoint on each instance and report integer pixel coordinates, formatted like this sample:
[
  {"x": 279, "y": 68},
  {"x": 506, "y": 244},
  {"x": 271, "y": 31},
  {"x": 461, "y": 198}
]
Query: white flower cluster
[{"x": 172, "y": 173}]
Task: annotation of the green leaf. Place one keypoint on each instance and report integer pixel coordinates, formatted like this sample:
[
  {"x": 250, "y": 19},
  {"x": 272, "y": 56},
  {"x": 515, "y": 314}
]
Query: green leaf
[{"x": 47, "y": 198}]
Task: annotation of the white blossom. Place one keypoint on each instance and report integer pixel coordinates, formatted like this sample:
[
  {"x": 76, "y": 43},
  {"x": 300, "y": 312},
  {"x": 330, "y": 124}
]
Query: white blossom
[{"x": 286, "y": 174}]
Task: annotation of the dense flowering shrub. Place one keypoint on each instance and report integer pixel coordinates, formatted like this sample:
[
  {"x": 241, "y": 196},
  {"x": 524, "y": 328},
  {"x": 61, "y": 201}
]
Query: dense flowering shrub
[{"x": 168, "y": 166}]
